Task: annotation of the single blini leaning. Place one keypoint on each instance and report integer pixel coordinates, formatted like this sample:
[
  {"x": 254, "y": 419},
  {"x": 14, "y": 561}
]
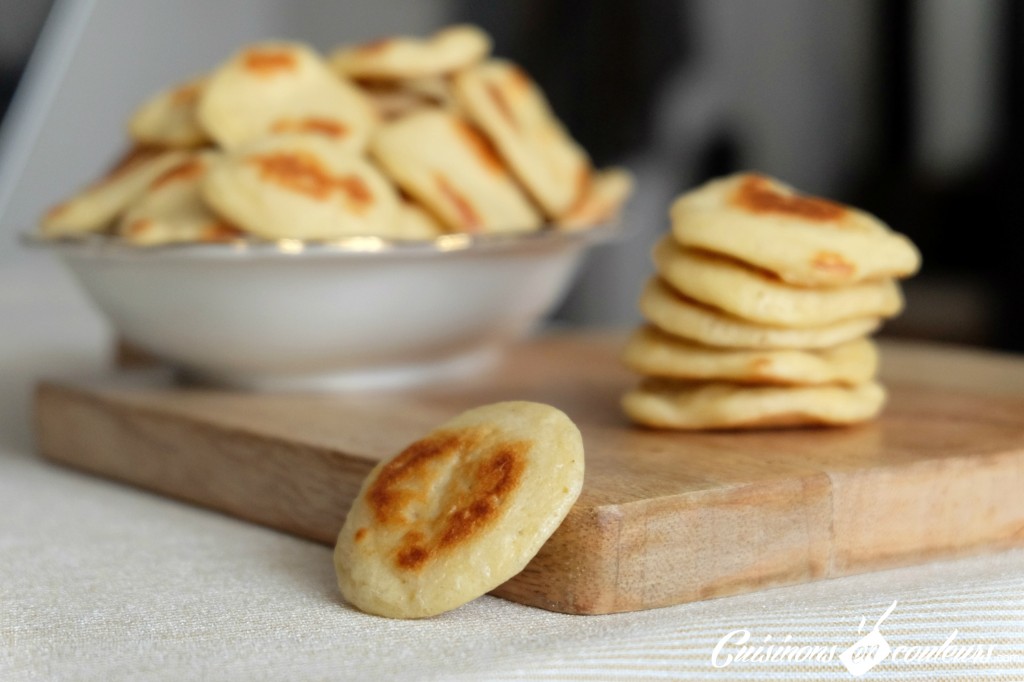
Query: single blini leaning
[{"x": 460, "y": 511}]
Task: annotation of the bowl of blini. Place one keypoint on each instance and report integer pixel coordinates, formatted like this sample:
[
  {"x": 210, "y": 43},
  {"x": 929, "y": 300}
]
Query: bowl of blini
[{"x": 392, "y": 215}]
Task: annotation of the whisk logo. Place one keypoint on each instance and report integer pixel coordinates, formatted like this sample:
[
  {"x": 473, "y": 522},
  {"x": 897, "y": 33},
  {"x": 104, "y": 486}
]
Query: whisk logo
[{"x": 871, "y": 649}]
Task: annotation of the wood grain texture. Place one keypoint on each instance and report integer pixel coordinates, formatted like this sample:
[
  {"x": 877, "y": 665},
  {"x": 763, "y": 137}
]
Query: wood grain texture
[{"x": 664, "y": 517}]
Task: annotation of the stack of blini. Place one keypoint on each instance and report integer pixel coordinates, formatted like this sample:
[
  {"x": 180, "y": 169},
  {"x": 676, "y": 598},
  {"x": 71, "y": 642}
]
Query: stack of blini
[{"x": 760, "y": 310}]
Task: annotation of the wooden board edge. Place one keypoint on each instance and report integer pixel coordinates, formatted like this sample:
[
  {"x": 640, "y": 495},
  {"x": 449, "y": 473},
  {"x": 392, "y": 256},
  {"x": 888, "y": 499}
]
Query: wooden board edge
[
  {"x": 252, "y": 477},
  {"x": 576, "y": 571},
  {"x": 976, "y": 506}
]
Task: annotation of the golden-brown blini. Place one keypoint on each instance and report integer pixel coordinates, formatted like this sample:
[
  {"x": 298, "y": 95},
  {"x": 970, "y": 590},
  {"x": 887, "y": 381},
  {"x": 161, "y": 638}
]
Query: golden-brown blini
[
  {"x": 804, "y": 240},
  {"x": 602, "y": 200},
  {"x": 652, "y": 352},
  {"x": 170, "y": 118},
  {"x": 444, "y": 163},
  {"x": 415, "y": 223},
  {"x": 760, "y": 297},
  {"x": 405, "y": 57},
  {"x": 683, "y": 317},
  {"x": 395, "y": 99},
  {"x": 515, "y": 115},
  {"x": 460, "y": 511},
  {"x": 669, "y": 404},
  {"x": 172, "y": 210},
  {"x": 95, "y": 208},
  {"x": 282, "y": 88},
  {"x": 301, "y": 187}
]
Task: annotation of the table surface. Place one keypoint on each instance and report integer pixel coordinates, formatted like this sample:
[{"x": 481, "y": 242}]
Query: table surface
[{"x": 99, "y": 581}]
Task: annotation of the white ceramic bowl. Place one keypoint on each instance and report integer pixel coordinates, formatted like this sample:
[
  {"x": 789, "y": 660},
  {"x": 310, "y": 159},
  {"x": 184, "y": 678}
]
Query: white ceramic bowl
[{"x": 356, "y": 313}]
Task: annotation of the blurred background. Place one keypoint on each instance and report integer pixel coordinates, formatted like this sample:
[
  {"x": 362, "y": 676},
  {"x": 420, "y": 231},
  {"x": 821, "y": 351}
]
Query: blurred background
[{"x": 907, "y": 108}]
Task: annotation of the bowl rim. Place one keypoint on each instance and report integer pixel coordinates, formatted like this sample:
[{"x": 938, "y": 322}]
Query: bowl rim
[{"x": 98, "y": 245}]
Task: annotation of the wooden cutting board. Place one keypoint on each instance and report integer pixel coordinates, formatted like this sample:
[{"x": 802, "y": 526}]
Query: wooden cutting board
[{"x": 664, "y": 517}]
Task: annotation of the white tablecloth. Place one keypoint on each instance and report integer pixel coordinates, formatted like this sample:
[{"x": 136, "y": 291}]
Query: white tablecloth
[{"x": 103, "y": 582}]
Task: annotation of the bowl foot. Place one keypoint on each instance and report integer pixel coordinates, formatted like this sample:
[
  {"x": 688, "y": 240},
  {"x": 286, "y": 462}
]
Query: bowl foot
[{"x": 381, "y": 378}]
